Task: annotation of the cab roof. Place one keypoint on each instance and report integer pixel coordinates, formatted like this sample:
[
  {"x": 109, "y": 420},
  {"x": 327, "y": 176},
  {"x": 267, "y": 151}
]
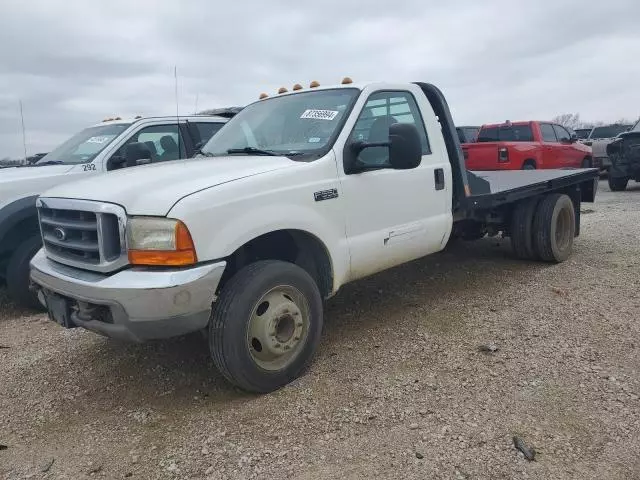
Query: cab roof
[{"x": 127, "y": 121}]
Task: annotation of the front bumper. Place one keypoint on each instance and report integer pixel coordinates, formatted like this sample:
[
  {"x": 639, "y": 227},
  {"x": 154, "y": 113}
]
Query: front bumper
[{"x": 134, "y": 304}]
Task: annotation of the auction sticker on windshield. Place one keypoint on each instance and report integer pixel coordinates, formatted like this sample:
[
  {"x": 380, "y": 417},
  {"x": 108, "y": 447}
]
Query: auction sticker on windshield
[
  {"x": 101, "y": 139},
  {"x": 319, "y": 114}
]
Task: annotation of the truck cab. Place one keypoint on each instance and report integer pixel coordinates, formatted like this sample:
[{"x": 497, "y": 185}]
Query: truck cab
[
  {"x": 526, "y": 145},
  {"x": 110, "y": 145},
  {"x": 624, "y": 153},
  {"x": 299, "y": 194}
]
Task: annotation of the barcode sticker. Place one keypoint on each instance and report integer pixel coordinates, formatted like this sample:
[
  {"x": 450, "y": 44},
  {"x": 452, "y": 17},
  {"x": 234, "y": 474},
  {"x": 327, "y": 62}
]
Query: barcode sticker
[{"x": 319, "y": 114}]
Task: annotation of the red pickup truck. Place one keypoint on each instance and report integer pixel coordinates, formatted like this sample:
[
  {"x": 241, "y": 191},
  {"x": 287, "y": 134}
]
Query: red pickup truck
[{"x": 526, "y": 146}]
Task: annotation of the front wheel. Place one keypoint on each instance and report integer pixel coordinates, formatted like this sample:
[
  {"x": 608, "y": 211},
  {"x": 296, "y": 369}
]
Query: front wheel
[
  {"x": 617, "y": 184},
  {"x": 266, "y": 325},
  {"x": 18, "y": 269}
]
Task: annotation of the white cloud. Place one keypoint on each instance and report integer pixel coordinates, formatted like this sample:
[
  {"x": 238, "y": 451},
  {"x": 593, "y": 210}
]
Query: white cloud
[{"x": 75, "y": 62}]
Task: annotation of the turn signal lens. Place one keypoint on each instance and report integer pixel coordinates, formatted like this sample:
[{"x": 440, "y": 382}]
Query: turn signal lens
[{"x": 160, "y": 242}]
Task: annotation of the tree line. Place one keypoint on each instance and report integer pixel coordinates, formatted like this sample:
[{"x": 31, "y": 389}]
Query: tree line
[{"x": 573, "y": 121}]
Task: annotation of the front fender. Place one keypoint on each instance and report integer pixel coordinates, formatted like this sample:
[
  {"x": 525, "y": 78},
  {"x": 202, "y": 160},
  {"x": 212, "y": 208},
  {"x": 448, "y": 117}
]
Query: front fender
[
  {"x": 15, "y": 212},
  {"x": 219, "y": 238}
]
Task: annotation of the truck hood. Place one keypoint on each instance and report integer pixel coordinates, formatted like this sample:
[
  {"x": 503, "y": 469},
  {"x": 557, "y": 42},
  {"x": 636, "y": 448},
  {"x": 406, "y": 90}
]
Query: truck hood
[
  {"x": 154, "y": 189},
  {"x": 17, "y": 183},
  {"x": 13, "y": 174}
]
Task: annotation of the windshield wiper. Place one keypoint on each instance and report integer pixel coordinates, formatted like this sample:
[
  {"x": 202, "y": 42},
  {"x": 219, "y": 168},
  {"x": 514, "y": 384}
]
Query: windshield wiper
[{"x": 253, "y": 150}]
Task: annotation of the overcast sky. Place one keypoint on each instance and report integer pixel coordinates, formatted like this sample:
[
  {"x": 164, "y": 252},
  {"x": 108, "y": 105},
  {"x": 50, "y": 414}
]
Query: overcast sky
[{"x": 74, "y": 62}]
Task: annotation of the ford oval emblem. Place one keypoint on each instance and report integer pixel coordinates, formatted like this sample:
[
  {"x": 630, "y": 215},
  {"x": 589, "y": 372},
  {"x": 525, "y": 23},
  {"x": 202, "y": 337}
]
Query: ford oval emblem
[{"x": 60, "y": 233}]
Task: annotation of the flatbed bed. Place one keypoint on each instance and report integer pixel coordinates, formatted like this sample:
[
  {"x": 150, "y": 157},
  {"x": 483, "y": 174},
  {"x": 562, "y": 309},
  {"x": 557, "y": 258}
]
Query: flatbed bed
[{"x": 509, "y": 186}]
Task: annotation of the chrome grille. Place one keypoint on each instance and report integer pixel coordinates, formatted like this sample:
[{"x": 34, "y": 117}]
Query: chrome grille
[{"x": 83, "y": 234}]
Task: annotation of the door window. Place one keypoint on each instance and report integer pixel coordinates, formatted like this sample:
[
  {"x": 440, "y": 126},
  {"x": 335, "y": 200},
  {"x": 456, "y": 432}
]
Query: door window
[
  {"x": 163, "y": 141},
  {"x": 562, "y": 133},
  {"x": 548, "y": 135},
  {"x": 206, "y": 130},
  {"x": 382, "y": 110}
]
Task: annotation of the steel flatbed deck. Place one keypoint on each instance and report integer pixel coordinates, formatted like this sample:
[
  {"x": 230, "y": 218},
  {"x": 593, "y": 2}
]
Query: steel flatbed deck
[{"x": 506, "y": 186}]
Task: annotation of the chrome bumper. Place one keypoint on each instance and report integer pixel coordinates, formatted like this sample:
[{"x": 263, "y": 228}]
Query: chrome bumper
[{"x": 134, "y": 304}]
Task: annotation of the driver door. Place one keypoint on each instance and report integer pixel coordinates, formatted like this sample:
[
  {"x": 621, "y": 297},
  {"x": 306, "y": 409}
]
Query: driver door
[{"x": 393, "y": 216}]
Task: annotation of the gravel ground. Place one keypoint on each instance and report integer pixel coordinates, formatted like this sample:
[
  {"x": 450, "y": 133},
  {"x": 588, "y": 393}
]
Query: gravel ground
[{"x": 399, "y": 388}]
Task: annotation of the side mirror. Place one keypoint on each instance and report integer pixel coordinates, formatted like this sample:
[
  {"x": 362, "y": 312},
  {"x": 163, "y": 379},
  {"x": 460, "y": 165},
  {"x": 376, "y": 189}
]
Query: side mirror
[
  {"x": 137, "y": 153},
  {"x": 405, "y": 147},
  {"x": 405, "y": 150}
]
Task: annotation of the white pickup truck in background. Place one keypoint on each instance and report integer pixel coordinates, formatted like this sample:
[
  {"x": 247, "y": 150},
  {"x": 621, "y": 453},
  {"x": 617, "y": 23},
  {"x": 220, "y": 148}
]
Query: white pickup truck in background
[
  {"x": 110, "y": 145},
  {"x": 297, "y": 195}
]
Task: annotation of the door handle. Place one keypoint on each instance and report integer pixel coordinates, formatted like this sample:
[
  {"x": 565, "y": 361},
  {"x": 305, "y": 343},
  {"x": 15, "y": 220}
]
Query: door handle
[{"x": 438, "y": 176}]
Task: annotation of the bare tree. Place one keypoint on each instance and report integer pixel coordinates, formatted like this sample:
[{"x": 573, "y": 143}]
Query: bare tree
[{"x": 571, "y": 120}]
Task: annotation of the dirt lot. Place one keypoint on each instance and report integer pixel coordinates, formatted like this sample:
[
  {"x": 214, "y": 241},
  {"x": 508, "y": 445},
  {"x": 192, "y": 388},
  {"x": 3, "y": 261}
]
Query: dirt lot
[{"x": 398, "y": 389}]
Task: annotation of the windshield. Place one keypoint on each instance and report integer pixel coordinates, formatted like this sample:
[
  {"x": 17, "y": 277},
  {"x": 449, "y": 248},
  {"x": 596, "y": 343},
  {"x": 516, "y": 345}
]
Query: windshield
[
  {"x": 84, "y": 146},
  {"x": 582, "y": 133},
  {"x": 609, "y": 131},
  {"x": 303, "y": 125}
]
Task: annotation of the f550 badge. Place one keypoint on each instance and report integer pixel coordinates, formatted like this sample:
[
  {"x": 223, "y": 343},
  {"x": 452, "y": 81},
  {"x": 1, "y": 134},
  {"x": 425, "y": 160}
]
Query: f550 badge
[{"x": 325, "y": 195}]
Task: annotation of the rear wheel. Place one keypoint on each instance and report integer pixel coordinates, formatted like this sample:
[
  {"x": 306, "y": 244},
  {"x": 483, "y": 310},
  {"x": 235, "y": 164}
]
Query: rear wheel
[
  {"x": 266, "y": 325},
  {"x": 529, "y": 165},
  {"x": 18, "y": 282},
  {"x": 522, "y": 229},
  {"x": 618, "y": 184},
  {"x": 554, "y": 228},
  {"x": 586, "y": 163}
]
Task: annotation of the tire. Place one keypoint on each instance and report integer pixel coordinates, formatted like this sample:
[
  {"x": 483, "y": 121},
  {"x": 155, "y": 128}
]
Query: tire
[
  {"x": 522, "y": 229},
  {"x": 18, "y": 280},
  {"x": 586, "y": 163},
  {"x": 618, "y": 184},
  {"x": 554, "y": 227},
  {"x": 240, "y": 313},
  {"x": 529, "y": 165}
]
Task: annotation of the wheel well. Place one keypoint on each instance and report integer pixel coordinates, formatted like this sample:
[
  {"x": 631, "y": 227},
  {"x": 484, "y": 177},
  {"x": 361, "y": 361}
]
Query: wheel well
[
  {"x": 294, "y": 246},
  {"x": 530, "y": 161}
]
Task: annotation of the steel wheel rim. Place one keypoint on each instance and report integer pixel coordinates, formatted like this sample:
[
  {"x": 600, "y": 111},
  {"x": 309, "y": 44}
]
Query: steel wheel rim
[
  {"x": 563, "y": 230},
  {"x": 278, "y": 327}
]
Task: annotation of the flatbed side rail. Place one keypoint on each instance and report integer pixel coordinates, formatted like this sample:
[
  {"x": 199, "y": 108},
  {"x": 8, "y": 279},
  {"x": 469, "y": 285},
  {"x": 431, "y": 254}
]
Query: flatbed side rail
[{"x": 585, "y": 180}]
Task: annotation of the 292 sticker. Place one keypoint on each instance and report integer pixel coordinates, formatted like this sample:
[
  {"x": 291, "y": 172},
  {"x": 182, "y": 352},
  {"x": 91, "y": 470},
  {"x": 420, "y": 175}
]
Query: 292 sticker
[{"x": 88, "y": 166}]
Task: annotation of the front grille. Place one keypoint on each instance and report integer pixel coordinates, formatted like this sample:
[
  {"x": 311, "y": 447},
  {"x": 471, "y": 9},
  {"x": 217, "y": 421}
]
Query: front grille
[{"x": 83, "y": 234}]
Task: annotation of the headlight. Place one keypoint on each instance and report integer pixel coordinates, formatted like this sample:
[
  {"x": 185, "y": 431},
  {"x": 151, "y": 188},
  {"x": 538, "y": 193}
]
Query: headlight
[{"x": 159, "y": 241}]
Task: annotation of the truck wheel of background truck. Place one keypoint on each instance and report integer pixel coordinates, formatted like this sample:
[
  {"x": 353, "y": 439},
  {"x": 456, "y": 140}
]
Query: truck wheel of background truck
[
  {"x": 266, "y": 325},
  {"x": 554, "y": 227},
  {"x": 618, "y": 184},
  {"x": 521, "y": 229},
  {"x": 18, "y": 273}
]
